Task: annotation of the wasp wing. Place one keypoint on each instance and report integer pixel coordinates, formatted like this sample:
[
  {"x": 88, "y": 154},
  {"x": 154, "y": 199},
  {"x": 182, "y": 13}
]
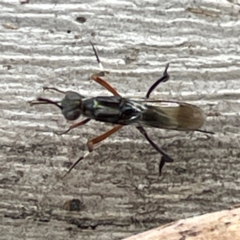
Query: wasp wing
[{"x": 171, "y": 115}]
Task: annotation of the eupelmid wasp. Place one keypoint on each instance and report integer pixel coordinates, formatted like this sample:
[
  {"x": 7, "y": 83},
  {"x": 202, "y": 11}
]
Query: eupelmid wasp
[{"x": 122, "y": 111}]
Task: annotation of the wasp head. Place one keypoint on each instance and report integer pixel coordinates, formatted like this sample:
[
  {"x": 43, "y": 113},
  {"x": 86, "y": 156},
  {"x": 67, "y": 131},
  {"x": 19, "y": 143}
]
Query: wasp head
[{"x": 71, "y": 105}]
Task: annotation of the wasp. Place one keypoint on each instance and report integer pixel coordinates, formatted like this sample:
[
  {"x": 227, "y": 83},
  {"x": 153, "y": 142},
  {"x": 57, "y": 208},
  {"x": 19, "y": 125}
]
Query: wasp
[{"x": 122, "y": 111}]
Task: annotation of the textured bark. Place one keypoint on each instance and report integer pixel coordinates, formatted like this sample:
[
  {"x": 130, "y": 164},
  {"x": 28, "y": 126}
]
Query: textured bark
[{"x": 116, "y": 190}]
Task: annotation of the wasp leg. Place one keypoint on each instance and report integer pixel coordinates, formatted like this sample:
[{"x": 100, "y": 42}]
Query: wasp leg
[
  {"x": 54, "y": 89},
  {"x": 100, "y": 138},
  {"x": 154, "y": 145},
  {"x": 91, "y": 143},
  {"x": 75, "y": 164},
  {"x": 103, "y": 83},
  {"x": 97, "y": 57},
  {"x": 165, "y": 156},
  {"x": 160, "y": 166},
  {"x": 74, "y": 126},
  {"x": 164, "y": 78},
  {"x": 141, "y": 129},
  {"x": 203, "y": 131},
  {"x": 96, "y": 77},
  {"x": 102, "y": 73}
]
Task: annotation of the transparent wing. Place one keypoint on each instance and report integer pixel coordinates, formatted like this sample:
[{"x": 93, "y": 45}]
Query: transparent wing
[{"x": 171, "y": 115}]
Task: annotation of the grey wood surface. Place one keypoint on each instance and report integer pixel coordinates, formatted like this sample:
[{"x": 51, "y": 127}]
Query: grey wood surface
[{"x": 118, "y": 184}]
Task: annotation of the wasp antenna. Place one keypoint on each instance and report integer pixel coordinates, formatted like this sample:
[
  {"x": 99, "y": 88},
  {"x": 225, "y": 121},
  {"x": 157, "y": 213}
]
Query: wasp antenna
[
  {"x": 46, "y": 101},
  {"x": 53, "y": 89}
]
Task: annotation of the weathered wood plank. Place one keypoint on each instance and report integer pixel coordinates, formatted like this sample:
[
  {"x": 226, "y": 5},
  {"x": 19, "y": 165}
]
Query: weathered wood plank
[{"x": 43, "y": 45}]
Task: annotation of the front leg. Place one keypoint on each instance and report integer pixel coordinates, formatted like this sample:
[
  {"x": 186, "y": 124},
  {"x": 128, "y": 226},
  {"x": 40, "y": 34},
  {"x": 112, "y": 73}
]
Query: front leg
[
  {"x": 74, "y": 126},
  {"x": 105, "y": 84}
]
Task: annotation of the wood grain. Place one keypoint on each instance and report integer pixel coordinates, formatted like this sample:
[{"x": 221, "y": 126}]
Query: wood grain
[{"x": 118, "y": 184}]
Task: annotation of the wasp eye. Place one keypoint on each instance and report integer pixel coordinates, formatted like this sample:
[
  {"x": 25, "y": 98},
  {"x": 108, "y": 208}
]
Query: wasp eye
[
  {"x": 73, "y": 96},
  {"x": 71, "y": 115}
]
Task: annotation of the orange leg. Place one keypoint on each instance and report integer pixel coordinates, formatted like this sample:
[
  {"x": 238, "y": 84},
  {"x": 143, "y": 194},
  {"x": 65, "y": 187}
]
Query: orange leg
[
  {"x": 100, "y": 138},
  {"x": 74, "y": 126},
  {"x": 98, "y": 79},
  {"x": 91, "y": 143},
  {"x": 103, "y": 83}
]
